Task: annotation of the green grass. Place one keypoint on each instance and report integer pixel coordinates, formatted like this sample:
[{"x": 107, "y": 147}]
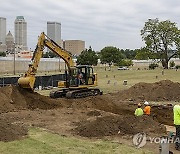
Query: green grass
[
  {"x": 117, "y": 77},
  {"x": 133, "y": 76},
  {"x": 42, "y": 142}
]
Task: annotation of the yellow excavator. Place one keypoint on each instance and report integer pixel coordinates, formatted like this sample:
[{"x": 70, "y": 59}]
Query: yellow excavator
[{"x": 80, "y": 81}]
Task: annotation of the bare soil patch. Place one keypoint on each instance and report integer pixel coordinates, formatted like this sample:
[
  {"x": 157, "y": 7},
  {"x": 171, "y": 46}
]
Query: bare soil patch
[
  {"x": 115, "y": 124},
  {"x": 10, "y": 132}
]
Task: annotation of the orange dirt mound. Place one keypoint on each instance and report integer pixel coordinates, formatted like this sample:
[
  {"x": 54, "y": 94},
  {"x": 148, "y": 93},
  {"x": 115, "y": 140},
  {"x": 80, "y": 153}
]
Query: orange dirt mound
[
  {"x": 114, "y": 124},
  {"x": 164, "y": 90}
]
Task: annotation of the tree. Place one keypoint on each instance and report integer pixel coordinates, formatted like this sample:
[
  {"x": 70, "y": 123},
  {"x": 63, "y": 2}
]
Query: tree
[
  {"x": 161, "y": 37},
  {"x": 129, "y": 54},
  {"x": 125, "y": 62},
  {"x": 172, "y": 64},
  {"x": 110, "y": 55},
  {"x": 87, "y": 57},
  {"x": 142, "y": 54},
  {"x": 145, "y": 54},
  {"x": 153, "y": 66}
]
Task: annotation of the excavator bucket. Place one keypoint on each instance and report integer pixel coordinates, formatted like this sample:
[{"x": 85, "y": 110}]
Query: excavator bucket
[{"x": 26, "y": 82}]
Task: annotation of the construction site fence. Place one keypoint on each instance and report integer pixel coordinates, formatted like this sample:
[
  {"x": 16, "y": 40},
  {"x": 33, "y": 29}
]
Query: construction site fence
[{"x": 41, "y": 81}]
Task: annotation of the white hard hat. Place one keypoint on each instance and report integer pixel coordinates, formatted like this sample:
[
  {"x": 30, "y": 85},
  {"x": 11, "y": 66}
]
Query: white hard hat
[{"x": 146, "y": 103}]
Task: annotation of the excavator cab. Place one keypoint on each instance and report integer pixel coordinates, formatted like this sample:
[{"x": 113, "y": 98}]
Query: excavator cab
[
  {"x": 80, "y": 76},
  {"x": 79, "y": 83},
  {"x": 85, "y": 75}
]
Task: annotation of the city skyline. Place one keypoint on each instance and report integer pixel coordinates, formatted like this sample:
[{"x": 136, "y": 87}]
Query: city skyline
[
  {"x": 54, "y": 31},
  {"x": 100, "y": 23},
  {"x": 20, "y": 33},
  {"x": 2, "y": 30}
]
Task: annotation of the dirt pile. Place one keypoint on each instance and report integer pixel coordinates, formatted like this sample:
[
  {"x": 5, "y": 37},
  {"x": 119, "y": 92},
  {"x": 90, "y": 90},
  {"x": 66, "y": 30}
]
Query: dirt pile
[
  {"x": 163, "y": 114},
  {"x": 14, "y": 98},
  {"x": 114, "y": 125},
  {"x": 164, "y": 90},
  {"x": 94, "y": 113},
  {"x": 11, "y": 132}
]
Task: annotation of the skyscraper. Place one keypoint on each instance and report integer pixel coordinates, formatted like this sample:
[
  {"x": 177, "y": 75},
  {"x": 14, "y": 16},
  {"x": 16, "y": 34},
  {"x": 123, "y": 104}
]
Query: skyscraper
[
  {"x": 2, "y": 30},
  {"x": 20, "y": 26},
  {"x": 54, "y": 31}
]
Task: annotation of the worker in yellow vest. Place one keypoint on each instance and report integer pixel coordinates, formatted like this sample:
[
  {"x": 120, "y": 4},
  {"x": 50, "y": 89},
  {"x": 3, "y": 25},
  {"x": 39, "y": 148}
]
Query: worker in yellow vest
[
  {"x": 176, "y": 111},
  {"x": 138, "y": 111}
]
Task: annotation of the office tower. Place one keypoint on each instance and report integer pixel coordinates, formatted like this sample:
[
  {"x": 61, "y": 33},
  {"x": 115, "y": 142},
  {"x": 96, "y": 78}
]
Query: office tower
[
  {"x": 74, "y": 46},
  {"x": 54, "y": 31},
  {"x": 2, "y": 30},
  {"x": 20, "y": 26}
]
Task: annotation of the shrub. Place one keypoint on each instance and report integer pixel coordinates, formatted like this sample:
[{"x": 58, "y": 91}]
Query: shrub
[
  {"x": 172, "y": 64},
  {"x": 153, "y": 66},
  {"x": 177, "y": 66},
  {"x": 125, "y": 62}
]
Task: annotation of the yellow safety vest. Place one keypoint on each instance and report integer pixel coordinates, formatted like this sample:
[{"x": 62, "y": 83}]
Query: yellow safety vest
[
  {"x": 176, "y": 111},
  {"x": 138, "y": 112}
]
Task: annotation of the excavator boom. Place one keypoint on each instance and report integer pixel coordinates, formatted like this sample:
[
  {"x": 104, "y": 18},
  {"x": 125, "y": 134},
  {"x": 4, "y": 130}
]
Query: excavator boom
[{"x": 28, "y": 80}]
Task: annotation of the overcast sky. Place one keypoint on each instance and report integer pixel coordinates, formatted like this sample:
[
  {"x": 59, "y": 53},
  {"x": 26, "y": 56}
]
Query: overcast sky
[{"x": 99, "y": 23}]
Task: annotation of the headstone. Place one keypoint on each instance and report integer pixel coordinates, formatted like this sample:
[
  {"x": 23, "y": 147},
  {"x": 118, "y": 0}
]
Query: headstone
[
  {"x": 162, "y": 72},
  {"x": 125, "y": 82},
  {"x": 40, "y": 87}
]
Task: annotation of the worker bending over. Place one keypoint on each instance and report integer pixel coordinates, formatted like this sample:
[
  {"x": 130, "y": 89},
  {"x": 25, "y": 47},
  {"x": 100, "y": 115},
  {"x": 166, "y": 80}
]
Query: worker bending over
[
  {"x": 138, "y": 111},
  {"x": 176, "y": 111},
  {"x": 147, "y": 109}
]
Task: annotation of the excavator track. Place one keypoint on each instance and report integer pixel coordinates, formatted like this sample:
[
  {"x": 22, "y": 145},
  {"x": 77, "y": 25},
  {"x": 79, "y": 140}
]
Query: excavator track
[
  {"x": 79, "y": 93},
  {"x": 83, "y": 93}
]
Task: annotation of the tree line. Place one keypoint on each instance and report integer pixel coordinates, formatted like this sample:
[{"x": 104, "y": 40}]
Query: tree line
[
  {"x": 113, "y": 55},
  {"x": 162, "y": 42}
]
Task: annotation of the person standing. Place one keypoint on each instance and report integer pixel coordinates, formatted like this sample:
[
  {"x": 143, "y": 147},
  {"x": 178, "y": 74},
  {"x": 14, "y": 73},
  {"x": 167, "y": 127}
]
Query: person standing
[
  {"x": 147, "y": 109},
  {"x": 81, "y": 77},
  {"x": 176, "y": 111},
  {"x": 138, "y": 111}
]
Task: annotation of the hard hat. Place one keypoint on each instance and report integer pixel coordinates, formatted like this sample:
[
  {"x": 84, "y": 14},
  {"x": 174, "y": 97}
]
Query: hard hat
[
  {"x": 139, "y": 104},
  {"x": 146, "y": 103}
]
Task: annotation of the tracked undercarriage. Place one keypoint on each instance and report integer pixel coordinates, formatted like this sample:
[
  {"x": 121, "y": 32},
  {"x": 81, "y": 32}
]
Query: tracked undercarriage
[{"x": 75, "y": 92}]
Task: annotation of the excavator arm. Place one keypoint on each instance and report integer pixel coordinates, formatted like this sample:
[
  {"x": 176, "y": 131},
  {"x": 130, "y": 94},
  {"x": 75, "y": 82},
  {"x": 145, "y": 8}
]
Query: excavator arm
[{"x": 28, "y": 80}]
